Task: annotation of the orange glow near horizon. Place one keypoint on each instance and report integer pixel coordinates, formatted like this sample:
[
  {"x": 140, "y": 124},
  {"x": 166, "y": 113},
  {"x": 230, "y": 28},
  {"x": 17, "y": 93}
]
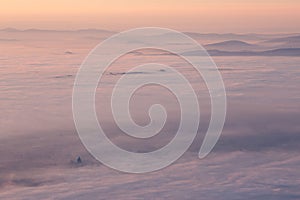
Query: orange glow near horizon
[{"x": 189, "y": 15}]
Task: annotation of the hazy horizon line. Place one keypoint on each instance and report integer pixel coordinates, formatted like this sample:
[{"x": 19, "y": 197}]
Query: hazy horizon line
[{"x": 117, "y": 31}]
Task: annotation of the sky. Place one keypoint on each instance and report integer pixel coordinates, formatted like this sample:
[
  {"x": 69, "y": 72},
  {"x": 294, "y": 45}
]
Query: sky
[{"x": 240, "y": 16}]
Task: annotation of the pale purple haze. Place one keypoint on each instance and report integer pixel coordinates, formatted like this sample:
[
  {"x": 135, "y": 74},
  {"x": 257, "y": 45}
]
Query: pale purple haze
[{"x": 257, "y": 156}]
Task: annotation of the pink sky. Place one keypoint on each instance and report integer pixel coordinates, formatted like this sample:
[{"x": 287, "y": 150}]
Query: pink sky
[{"x": 190, "y": 15}]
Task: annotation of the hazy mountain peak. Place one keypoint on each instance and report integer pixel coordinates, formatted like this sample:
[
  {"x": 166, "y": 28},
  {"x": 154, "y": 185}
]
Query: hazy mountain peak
[{"x": 230, "y": 42}]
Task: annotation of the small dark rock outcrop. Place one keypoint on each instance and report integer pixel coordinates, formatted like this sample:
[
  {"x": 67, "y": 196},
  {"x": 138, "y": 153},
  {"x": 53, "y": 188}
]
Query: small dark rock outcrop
[{"x": 78, "y": 160}]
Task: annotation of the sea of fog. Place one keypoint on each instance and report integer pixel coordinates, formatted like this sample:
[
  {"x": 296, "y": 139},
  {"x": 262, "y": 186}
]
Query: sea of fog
[{"x": 257, "y": 156}]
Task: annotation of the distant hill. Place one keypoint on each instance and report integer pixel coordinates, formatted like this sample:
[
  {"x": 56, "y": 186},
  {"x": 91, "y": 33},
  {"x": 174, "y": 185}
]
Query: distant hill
[
  {"x": 59, "y": 31},
  {"x": 225, "y": 36},
  {"x": 285, "y": 39},
  {"x": 231, "y": 45},
  {"x": 275, "y": 52},
  {"x": 9, "y": 30},
  {"x": 95, "y": 31},
  {"x": 282, "y": 52},
  {"x": 284, "y": 42},
  {"x": 218, "y": 37}
]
